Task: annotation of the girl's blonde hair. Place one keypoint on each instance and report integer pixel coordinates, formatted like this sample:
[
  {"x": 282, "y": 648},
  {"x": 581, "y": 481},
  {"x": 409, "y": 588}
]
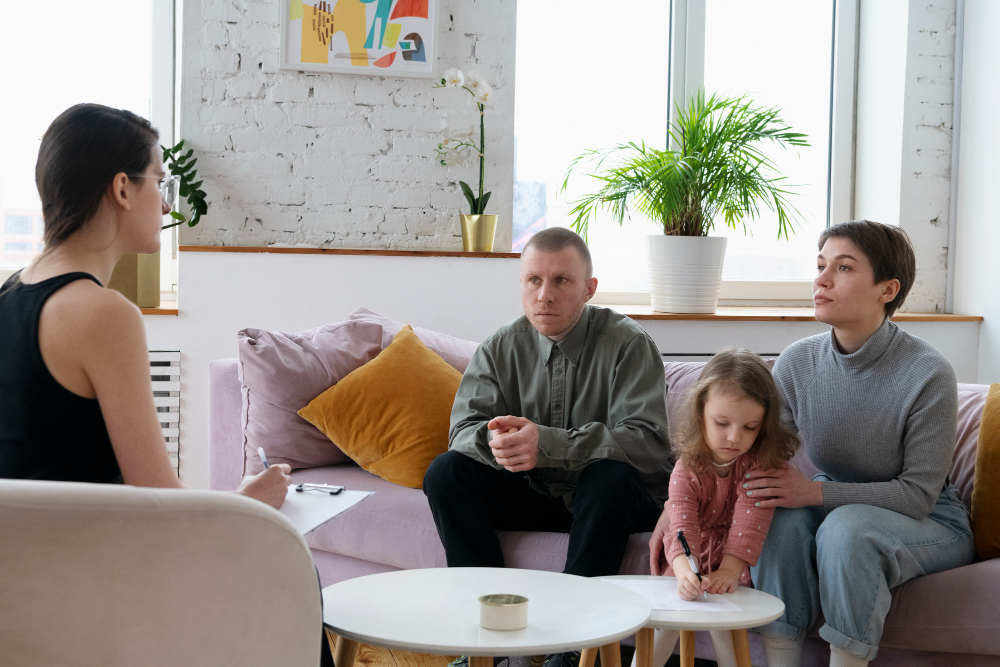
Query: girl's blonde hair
[{"x": 739, "y": 371}]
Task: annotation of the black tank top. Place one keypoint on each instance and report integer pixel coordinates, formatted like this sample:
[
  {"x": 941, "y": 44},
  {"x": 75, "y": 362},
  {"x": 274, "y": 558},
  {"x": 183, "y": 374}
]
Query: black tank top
[{"x": 46, "y": 431}]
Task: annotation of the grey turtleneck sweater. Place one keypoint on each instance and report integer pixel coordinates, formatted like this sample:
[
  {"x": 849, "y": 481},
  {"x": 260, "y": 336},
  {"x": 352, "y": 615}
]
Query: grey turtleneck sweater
[{"x": 880, "y": 422}]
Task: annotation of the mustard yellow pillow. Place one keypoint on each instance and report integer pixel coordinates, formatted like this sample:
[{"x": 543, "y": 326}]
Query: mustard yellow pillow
[
  {"x": 986, "y": 480},
  {"x": 392, "y": 414}
]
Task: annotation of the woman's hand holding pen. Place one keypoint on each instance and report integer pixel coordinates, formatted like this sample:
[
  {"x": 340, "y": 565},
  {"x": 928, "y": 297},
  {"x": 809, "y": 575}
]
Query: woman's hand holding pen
[
  {"x": 688, "y": 586},
  {"x": 269, "y": 486}
]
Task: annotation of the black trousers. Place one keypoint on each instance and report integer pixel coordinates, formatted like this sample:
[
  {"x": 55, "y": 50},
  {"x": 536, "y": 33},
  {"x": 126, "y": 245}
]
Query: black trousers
[{"x": 471, "y": 500}]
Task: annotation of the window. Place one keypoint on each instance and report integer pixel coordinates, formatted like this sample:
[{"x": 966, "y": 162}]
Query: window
[
  {"x": 112, "y": 53},
  {"x": 623, "y": 88},
  {"x": 17, "y": 224}
]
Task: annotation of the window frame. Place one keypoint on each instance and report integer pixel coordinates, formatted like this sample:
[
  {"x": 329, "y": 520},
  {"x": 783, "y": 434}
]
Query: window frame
[
  {"x": 686, "y": 75},
  {"x": 164, "y": 20}
]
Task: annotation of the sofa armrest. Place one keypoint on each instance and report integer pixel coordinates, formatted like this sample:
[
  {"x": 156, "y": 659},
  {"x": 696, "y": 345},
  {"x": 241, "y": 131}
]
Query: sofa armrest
[{"x": 225, "y": 435}]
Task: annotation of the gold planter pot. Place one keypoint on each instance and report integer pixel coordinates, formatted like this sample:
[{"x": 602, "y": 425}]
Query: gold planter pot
[
  {"x": 138, "y": 278},
  {"x": 478, "y": 232}
]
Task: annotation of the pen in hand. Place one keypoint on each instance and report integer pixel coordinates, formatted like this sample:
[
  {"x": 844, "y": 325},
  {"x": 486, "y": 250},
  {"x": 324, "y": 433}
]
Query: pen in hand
[
  {"x": 691, "y": 559},
  {"x": 263, "y": 458}
]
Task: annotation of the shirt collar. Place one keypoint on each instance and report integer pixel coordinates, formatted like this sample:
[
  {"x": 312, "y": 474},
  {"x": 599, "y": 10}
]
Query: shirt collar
[
  {"x": 572, "y": 345},
  {"x": 871, "y": 351}
]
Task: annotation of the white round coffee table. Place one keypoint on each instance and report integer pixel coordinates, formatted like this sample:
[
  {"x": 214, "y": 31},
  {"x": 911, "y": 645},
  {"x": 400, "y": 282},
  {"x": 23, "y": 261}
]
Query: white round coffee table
[
  {"x": 437, "y": 611},
  {"x": 756, "y": 608}
]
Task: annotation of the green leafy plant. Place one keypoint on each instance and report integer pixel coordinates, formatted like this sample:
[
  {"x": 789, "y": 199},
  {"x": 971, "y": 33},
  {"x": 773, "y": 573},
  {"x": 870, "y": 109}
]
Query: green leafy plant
[
  {"x": 182, "y": 165},
  {"x": 717, "y": 170}
]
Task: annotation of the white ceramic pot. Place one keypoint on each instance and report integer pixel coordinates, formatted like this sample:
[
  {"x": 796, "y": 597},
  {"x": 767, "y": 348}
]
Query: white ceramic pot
[{"x": 685, "y": 273}]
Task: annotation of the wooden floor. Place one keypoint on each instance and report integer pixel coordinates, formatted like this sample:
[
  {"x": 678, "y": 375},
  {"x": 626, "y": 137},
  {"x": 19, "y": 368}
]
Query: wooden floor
[{"x": 374, "y": 656}]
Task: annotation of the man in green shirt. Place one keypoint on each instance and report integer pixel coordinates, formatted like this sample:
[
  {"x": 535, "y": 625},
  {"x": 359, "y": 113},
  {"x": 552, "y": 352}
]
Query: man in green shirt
[{"x": 559, "y": 424}]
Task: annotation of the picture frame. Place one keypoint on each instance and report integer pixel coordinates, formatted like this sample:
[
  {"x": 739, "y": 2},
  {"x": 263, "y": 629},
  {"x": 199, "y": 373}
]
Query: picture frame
[{"x": 395, "y": 38}]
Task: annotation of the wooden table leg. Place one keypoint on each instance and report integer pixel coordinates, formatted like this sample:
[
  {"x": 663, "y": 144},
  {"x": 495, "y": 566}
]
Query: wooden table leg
[
  {"x": 687, "y": 648},
  {"x": 741, "y": 647},
  {"x": 611, "y": 655},
  {"x": 345, "y": 652},
  {"x": 477, "y": 661},
  {"x": 588, "y": 657},
  {"x": 644, "y": 648}
]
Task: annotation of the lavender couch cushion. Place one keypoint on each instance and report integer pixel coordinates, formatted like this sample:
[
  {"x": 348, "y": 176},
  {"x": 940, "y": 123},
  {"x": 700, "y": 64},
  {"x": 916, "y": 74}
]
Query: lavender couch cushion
[
  {"x": 281, "y": 372},
  {"x": 455, "y": 351},
  {"x": 394, "y": 527},
  {"x": 225, "y": 437},
  {"x": 971, "y": 399}
]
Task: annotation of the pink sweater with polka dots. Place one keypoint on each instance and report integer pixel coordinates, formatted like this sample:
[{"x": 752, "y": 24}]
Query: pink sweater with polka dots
[{"x": 717, "y": 517}]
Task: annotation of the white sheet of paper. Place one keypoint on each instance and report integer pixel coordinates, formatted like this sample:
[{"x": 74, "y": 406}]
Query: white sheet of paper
[
  {"x": 308, "y": 510},
  {"x": 662, "y": 595}
]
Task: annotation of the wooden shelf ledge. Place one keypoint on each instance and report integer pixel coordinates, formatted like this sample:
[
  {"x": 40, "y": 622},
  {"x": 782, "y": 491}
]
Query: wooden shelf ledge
[
  {"x": 166, "y": 308},
  {"x": 374, "y": 252},
  {"x": 749, "y": 314}
]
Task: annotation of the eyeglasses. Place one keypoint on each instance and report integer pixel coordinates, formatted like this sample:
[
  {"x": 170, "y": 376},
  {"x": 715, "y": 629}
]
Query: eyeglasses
[{"x": 169, "y": 187}]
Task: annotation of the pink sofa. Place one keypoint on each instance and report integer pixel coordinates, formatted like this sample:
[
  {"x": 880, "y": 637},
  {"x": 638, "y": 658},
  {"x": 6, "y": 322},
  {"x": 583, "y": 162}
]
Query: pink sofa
[{"x": 950, "y": 618}]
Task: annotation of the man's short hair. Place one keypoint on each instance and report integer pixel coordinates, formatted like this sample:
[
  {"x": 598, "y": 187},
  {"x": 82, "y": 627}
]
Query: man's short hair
[
  {"x": 888, "y": 249},
  {"x": 555, "y": 239}
]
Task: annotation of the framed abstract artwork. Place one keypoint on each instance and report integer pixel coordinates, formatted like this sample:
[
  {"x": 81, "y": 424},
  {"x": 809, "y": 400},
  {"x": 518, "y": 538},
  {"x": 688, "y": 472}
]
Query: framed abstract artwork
[{"x": 367, "y": 37}]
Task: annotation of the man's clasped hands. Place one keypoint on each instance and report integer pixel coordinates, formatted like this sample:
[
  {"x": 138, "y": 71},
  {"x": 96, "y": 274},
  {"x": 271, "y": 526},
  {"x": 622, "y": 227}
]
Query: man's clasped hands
[{"x": 514, "y": 441}]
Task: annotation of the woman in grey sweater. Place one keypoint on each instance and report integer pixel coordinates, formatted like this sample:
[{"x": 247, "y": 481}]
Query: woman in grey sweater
[{"x": 876, "y": 410}]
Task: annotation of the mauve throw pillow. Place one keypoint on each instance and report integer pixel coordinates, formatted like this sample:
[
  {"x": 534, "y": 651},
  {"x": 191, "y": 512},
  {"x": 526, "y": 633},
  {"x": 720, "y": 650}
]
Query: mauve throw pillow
[
  {"x": 455, "y": 351},
  {"x": 281, "y": 372}
]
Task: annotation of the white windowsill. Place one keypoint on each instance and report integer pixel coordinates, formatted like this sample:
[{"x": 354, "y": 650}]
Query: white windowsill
[{"x": 769, "y": 293}]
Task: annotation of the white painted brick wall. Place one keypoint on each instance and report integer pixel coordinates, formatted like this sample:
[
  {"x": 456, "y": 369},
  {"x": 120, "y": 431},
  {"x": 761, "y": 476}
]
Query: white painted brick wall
[
  {"x": 926, "y": 160},
  {"x": 336, "y": 160}
]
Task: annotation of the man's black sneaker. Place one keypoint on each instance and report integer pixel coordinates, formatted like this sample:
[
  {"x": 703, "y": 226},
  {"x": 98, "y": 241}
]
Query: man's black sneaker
[
  {"x": 463, "y": 661},
  {"x": 568, "y": 659}
]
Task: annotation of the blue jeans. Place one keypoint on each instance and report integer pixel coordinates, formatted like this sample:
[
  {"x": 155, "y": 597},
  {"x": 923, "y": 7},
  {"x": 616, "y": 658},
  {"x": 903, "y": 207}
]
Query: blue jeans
[{"x": 846, "y": 561}]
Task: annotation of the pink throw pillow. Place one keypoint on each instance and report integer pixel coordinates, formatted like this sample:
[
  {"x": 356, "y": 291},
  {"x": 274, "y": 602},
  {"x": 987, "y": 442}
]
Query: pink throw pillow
[
  {"x": 280, "y": 373},
  {"x": 455, "y": 351}
]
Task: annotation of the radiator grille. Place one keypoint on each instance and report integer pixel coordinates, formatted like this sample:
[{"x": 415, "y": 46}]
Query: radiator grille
[{"x": 165, "y": 372}]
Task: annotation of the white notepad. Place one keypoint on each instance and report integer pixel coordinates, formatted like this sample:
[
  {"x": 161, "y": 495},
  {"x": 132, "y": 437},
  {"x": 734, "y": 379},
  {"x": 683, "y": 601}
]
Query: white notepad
[
  {"x": 662, "y": 595},
  {"x": 308, "y": 510}
]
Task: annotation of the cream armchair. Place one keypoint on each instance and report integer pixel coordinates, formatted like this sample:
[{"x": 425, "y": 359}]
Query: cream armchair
[{"x": 115, "y": 575}]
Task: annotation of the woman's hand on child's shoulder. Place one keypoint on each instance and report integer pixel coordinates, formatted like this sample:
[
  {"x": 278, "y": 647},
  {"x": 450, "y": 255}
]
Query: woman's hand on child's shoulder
[{"x": 783, "y": 487}]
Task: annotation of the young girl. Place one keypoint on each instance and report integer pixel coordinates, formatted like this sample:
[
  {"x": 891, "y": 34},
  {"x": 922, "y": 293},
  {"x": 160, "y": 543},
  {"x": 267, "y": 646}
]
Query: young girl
[{"x": 730, "y": 424}]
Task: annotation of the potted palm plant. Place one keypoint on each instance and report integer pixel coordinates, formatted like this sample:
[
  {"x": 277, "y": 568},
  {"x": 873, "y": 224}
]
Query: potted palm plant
[{"x": 714, "y": 172}]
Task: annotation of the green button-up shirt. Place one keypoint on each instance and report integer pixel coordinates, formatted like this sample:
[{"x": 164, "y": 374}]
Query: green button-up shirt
[{"x": 599, "y": 393}]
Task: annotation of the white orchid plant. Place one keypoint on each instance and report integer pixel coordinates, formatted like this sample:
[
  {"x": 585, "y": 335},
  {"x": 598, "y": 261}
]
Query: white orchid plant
[{"x": 457, "y": 146}]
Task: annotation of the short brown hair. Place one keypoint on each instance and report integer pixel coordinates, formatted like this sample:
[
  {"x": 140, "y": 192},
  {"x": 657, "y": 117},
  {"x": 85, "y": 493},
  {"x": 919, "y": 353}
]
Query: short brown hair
[
  {"x": 888, "y": 250},
  {"x": 742, "y": 371},
  {"x": 555, "y": 239}
]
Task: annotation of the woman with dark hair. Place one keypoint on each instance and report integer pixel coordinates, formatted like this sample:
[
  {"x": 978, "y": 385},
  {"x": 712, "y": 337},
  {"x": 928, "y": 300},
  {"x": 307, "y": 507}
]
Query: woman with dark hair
[
  {"x": 876, "y": 411},
  {"x": 76, "y": 402}
]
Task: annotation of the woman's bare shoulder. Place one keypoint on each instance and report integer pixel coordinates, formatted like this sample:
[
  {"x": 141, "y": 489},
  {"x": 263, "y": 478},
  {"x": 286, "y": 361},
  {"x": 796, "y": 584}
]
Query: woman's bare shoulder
[{"x": 84, "y": 307}]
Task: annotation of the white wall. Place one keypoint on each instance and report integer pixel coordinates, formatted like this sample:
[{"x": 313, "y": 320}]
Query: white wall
[
  {"x": 464, "y": 297},
  {"x": 977, "y": 278},
  {"x": 904, "y": 122},
  {"x": 881, "y": 88},
  {"x": 337, "y": 160}
]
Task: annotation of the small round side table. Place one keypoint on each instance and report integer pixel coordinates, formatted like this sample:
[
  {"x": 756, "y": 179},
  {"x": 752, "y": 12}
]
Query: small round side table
[
  {"x": 756, "y": 608},
  {"x": 437, "y": 611}
]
